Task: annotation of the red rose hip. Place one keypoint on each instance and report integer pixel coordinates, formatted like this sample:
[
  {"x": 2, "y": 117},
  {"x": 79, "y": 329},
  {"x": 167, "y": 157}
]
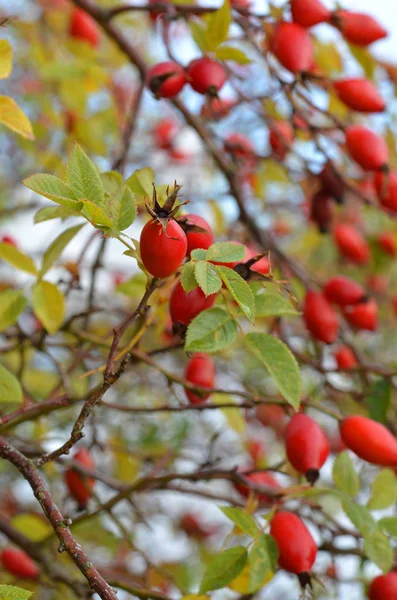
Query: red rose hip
[
  {"x": 19, "y": 564},
  {"x": 297, "y": 549},
  {"x": 206, "y": 75},
  {"x": 343, "y": 291},
  {"x": 358, "y": 28},
  {"x": 383, "y": 587},
  {"x": 366, "y": 147},
  {"x": 200, "y": 371},
  {"x": 386, "y": 189},
  {"x": 197, "y": 239},
  {"x": 185, "y": 306},
  {"x": 162, "y": 248},
  {"x": 281, "y": 137},
  {"x": 387, "y": 242},
  {"x": 351, "y": 244},
  {"x": 309, "y": 12},
  {"x": 370, "y": 440},
  {"x": 320, "y": 317},
  {"x": 363, "y": 315},
  {"x": 79, "y": 486},
  {"x": 259, "y": 479},
  {"x": 292, "y": 46},
  {"x": 166, "y": 79},
  {"x": 83, "y": 27},
  {"x": 306, "y": 445},
  {"x": 345, "y": 358},
  {"x": 360, "y": 95}
]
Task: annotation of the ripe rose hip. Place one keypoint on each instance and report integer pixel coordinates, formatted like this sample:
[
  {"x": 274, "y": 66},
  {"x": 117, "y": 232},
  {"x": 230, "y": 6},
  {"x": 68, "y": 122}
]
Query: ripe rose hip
[
  {"x": 387, "y": 242},
  {"x": 164, "y": 132},
  {"x": 292, "y": 46},
  {"x": 196, "y": 239},
  {"x": 273, "y": 416},
  {"x": 366, "y": 147},
  {"x": 360, "y": 95},
  {"x": 216, "y": 108},
  {"x": 200, "y": 370},
  {"x": 261, "y": 266},
  {"x": 306, "y": 445},
  {"x": 320, "y": 317},
  {"x": 241, "y": 149},
  {"x": 358, "y": 28},
  {"x": 351, "y": 244},
  {"x": 83, "y": 27},
  {"x": 166, "y": 79},
  {"x": 259, "y": 479},
  {"x": 19, "y": 564},
  {"x": 256, "y": 450},
  {"x": 321, "y": 210},
  {"x": 363, "y": 315},
  {"x": 377, "y": 283},
  {"x": 331, "y": 182},
  {"x": 383, "y": 587},
  {"x": 296, "y": 547},
  {"x": 386, "y": 189},
  {"x": 185, "y": 306},
  {"x": 345, "y": 358},
  {"x": 193, "y": 527},
  {"x": 8, "y": 239},
  {"x": 79, "y": 486},
  {"x": 281, "y": 136},
  {"x": 309, "y": 12},
  {"x": 162, "y": 248},
  {"x": 370, "y": 440},
  {"x": 343, "y": 291},
  {"x": 206, "y": 75}
]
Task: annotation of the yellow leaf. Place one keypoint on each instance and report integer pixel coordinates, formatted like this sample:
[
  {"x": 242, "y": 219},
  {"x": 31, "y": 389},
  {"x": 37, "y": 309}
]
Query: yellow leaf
[
  {"x": 48, "y": 305},
  {"x": 233, "y": 416},
  {"x": 32, "y": 525},
  {"x": 14, "y": 118},
  {"x": 242, "y": 582},
  {"x": 5, "y": 59}
]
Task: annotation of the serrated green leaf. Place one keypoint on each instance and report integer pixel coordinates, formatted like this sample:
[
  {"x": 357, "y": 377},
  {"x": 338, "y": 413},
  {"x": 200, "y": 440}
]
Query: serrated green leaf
[
  {"x": 378, "y": 549},
  {"x": 17, "y": 259},
  {"x": 188, "y": 279},
  {"x": 112, "y": 182},
  {"x": 281, "y": 364},
  {"x": 240, "y": 290},
  {"x": 126, "y": 209},
  {"x": 225, "y": 252},
  {"x": 56, "y": 248},
  {"x": 11, "y": 592},
  {"x": 10, "y": 388},
  {"x": 53, "y": 212},
  {"x": 262, "y": 561},
  {"x": 48, "y": 305},
  {"x": 5, "y": 59},
  {"x": 388, "y": 525},
  {"x": 141, "y": 183},
  {"x": 359, "y": 516},
  {"x": 218, "y": 24},
  {"x": 234, "y": 54},
  {"x": 273, "y": 305},
  {"x": 211, "y": 331},
  {"x": 96, "y": 215},
  {"x": 242, "y": 519},
  {"x": 383, "y": 490},
  {"x": 53, "y": 188},
  {"x": 344, "y": 475},
  {"x": 12, "y": 304},
  {"x": 13, "y": 117},
  {"x": 84, "y": 178},
  {"x": 207, "y": 277},
  {"x": 198, "y": 254},
  {"x": 379, "y": 399},
  {"x": 223, "y": 568}
]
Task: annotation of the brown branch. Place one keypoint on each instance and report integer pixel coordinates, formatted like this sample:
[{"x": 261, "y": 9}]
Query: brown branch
[{"x": 57, "y": 521}]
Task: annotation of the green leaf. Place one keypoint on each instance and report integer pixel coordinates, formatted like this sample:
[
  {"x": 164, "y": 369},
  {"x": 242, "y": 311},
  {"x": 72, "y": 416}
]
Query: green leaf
[
  {"x": 225, "y": 252},
  {"x": 218, "y": 24},
  {"x": 133, "y": 287},
  {"x": 198, "y": 254},
  {"x": 240, "y": 290},
  {"x": 54, "y": 212},
  {"x": 141, "y": 183},
  {"x": 35, "y": 527},
  {"x": 379, "y": 399},
  {"x": 53, "y": 188},
  {"x": 13, "y": 117},
  {"x": 84, "y": 178},
  {"x": 126, "y": 209},
  {"x": 281, "y": 364},
  {"x": 10, "y": 592},
  {"x": 56, "y": 248},
  {"x": 17, "y": 259},
  {"x": 212, "y": 330},
  {"x": 223, "y": 568},
  {"x": 262, "y": 561},
  {"x": 383, "y": 490},
  {"x": 12, "y": 304},
  {"x": 242, "y": 519},
  {"x": 5, "y": 59},
  {"x": 96, "y": 215},
  {"x": 378, "y": 549},
  {"x": 344, "y": 475},
  {"x": 10, "y": 388},
  {"x": 359, "y": 516},
  {"x": 273, "y": 305},
  {"x": 48, "y": 305},
  {"x": 188, "y": 279},
  {"x": 207, "y": 277},
  {"x": 388, "y": 525},
  {"x": 112, "y": 182},
  {"x": 234, "y": 54}
]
